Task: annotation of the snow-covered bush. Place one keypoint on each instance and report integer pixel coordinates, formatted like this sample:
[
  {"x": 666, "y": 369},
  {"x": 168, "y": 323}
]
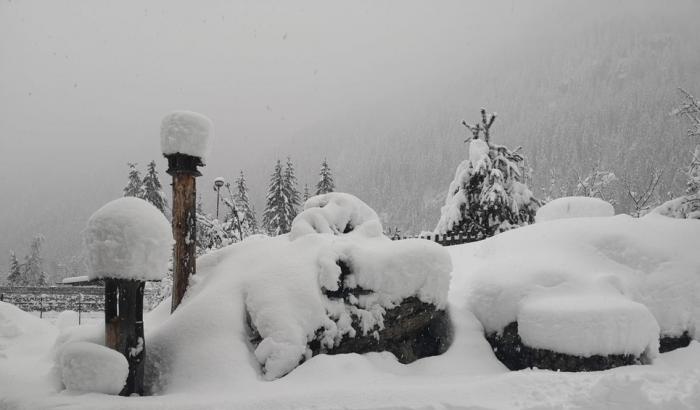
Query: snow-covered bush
[
  {"x": 88, "y": 367},
  {"x": 488, "y": 194},
  {"x": 128, "y": 238},
  {"x": 574, "y": 207}
]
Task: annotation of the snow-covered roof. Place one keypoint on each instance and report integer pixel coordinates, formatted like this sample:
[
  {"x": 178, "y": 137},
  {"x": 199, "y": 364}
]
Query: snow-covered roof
[{"x": 128, "y": 238}]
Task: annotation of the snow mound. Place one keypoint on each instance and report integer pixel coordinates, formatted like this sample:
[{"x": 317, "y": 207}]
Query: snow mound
[
  {"x": 87, "y": 367},
  {"x": 574, "y": 207},
  {"x": 336, "y": 213},
  {"x": 595, "y": 263},
  {"x": 128, "y": 238},
  {"x": 15, "y": 322},
  {"x": 583, "y": 324},
  {"x": 186, "y": 132}
]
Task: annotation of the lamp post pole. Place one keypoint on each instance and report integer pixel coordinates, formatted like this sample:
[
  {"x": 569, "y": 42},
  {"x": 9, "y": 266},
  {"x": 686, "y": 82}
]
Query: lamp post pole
[{"x": 218, "y": 183}]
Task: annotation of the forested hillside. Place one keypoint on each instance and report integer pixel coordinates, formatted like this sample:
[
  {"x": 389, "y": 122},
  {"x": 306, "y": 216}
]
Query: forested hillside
[{"x": 577, "y": 96}]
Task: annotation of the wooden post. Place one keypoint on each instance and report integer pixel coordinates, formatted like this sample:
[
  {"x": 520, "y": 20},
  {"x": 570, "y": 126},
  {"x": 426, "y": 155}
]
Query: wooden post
[
  {"x": 124, "y": 328},
  {"x": 183, "y": 169}
]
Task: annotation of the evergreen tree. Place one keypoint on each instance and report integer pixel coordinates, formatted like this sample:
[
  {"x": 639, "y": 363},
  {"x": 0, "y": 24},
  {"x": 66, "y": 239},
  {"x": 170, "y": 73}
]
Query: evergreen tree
[
  {"x": 325, "y": 183},
  {"x": 15, "y": 278},
  {"x": 292, "y": 192},
  {"x": 249, "y": 223},
  {"x": 133, "y": 187},
  {"x": 34, "y": 263},
  {"x": 152, "y": 190},
  {"x": 275, "y": 217},
  {"x": 487, "y": 195}
]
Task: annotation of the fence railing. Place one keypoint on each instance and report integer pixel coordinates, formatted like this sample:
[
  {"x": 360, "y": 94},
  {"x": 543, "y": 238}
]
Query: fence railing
[{"x": 444, "y": 240}]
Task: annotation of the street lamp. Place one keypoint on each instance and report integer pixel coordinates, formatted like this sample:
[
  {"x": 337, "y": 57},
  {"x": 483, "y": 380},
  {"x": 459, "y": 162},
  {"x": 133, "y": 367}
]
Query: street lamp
[{"x": 218, "y": 183}]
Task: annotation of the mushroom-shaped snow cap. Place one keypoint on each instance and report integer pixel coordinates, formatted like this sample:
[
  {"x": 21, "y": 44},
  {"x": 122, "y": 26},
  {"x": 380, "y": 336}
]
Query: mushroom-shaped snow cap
[
  {"x": 186, "y": 132},
  {"x": 128, "y": 238}
]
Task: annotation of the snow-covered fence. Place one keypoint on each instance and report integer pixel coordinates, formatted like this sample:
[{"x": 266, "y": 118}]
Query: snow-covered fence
[
  {"x": 60, "y": 298},
  {"x": 54, "y": 298},
  {"x": 444, "y": 240}
]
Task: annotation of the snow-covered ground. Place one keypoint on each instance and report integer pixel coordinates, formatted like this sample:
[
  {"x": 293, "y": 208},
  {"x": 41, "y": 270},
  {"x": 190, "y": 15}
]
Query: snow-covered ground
[{"x": 645, "y": 270}]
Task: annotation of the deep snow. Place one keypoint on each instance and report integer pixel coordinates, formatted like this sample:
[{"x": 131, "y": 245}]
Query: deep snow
[{"x": 204, "y": 360}]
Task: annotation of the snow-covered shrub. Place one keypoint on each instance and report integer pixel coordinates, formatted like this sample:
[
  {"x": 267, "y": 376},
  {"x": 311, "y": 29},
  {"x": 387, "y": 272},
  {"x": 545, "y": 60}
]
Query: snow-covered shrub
[
  {"x": 128, "y": 238},
  {"x": 88, "y": 367},
  {"x": 488, "y": 194},
  {"x": 574, "y": 207}
]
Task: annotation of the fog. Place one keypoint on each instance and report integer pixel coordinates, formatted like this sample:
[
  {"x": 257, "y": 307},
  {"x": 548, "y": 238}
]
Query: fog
[{"x": 84, "y": 85}]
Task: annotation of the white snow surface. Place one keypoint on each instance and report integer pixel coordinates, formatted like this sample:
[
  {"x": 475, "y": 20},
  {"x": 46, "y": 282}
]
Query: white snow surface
[
  {"x": 89, "y": 367},
  {"x": 186, "y": 132},
  {"x": 687, "y": 206},
  {"x": 586, "y": 324},
  {"x": 200, "y": 357},
  {"x": 574, "y": 207},
  {"x": 128, "y": 238}
]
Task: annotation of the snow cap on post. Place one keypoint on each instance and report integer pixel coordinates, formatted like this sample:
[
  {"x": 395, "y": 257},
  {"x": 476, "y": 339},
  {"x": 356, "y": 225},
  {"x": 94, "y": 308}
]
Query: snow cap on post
[
  {"x": 186, "y": 132},
  {"x": 128, "y": 238}
]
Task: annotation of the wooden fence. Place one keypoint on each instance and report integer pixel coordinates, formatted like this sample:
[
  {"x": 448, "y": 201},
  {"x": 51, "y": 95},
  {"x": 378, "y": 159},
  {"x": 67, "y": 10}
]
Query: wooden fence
[
  {"x": 58, "y": 298},
  {"x": 444, "y": 240}
]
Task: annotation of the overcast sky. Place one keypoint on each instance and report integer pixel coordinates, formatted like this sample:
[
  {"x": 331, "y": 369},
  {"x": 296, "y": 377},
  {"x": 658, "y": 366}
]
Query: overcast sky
[{"x": 85, "y": 83}]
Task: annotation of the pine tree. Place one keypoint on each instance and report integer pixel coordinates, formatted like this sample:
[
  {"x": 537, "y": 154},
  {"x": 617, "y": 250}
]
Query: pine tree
[
  {"x": 487, "y": 195},
  {"x": 325, "y": 183},
  {"x": 152, "y": 190},
  {"x": 133, "y": 187},
  {"x": 15, "y": 278},
  {"x": 275, "y": 220},
  {"x": 249, "y": 223},
  {"x": 292, "y": 192}
]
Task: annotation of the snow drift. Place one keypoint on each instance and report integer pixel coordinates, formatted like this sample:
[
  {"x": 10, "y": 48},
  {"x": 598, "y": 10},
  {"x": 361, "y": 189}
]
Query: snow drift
[{"x": 574, "y": 207}]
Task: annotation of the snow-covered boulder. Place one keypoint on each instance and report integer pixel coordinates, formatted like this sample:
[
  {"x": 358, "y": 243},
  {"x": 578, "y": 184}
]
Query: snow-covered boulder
[
  {"x": 574, "y": 207},
  {"x": 88, "y": 367},
  {"x": 128, "y": 238},
  {"x": 317, "y": 290},
  {"x": 628, "y": 281},
  {"x": 186, "y": 132}
]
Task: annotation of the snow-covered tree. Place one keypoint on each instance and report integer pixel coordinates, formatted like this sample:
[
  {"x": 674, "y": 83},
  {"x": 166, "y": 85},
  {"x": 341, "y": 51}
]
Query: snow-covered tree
[
  {"x": 597, "y": 184},
  {"x": 31, "y": 272},
  {"x": 15, "y": 278},
  {"x": 246, "y": 211},
  {"x": 134, "y": 186},
  {"x": 152, "y": 190},
  {"x": 688, "y": 205},
  {"x": 292, "y": 192},
  {"x": 325, "y": 183},
  {"x": 276, "y": 217},
  {"x": 487, "y": 195}
]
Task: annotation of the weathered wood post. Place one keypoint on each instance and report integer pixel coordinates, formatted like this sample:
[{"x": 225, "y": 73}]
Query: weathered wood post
[
  {"x": 128, "y": 242},
  {"x": 184, "y": 141}
]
